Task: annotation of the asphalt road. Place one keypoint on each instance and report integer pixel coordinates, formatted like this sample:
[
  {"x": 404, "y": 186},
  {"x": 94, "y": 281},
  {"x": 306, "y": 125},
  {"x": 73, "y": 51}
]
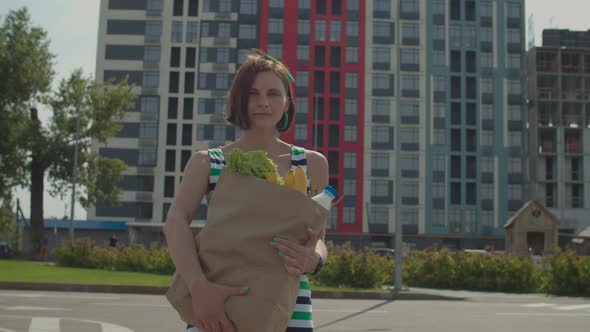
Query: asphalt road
[{"x": 33, "y": 311}]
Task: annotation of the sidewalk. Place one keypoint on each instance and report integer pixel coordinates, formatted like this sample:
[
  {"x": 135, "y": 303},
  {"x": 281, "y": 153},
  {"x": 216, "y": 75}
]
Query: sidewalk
[{"x": 410, "y": 294}]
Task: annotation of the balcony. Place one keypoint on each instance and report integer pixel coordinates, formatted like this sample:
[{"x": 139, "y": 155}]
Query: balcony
[
  {"x": 547, "y": 148},
  {"x": 573, "y": 144},
  {"x": 546, "y": 93}
]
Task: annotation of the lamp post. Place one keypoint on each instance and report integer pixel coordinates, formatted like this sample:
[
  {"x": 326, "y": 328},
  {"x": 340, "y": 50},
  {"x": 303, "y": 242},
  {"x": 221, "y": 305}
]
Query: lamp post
[{"x": 398, "y": 224}]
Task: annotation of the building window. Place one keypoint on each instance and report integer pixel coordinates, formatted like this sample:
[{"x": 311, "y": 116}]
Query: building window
[
  {"x": 469, "y": 36},
  {"x": 381, "y": 29},
  {"x": 154, "y": 28},
  {"x": 486, "y": 34},
  {"x": 514, "y": 9},
  {"x": 177, "y": 32},
  {"x": 487, "y": 60},
  {"x": 439, "y": 58},
  {"x": 249, "y": 7},
  {"x": 147, "y": 157},
  {"x": 439, "y": 32},
  {"x": 348, "y": 215},
  {"x": 381, "y": 55},
  {"x": 350, "y": 133},
  {"x": 379, "y": 215},
  {"x": 409, "y": 190},
  {"x": 440, "y": 84},
  {"x": 487, "y": 138},
  {"x": 302, "y": 79},
  {"x": 410, "y": 56},
  {"x": 513, "y": 61},
  {"x": 275, "y": 50},
  {"x": 381, "y": 107},
  {"x": 410, "y": 135},
  {"x": 514, "y": 192},
  {"x": 300, "y": 132},
  {"x": 380, "y": 134},
  {"x": 150, "y": 104},
  {"x": 350, "y": 107},
  {"x": 379, "y": 188},
  {"x": 351, "y": 80},
  {"x": 411, "y": 31},
  {"x": 513, "y": 36},
  {"x": 439, "y": 218},
  {"x": 221, "y": 81},
  {"x": 485, "y": 8},
  {"x": 148, "y": 130},
  {"x": 455, "y": 36},
  {"x": 276, "y": 4},
  {"x": 514, "y": 139},
  {"x": 381, "y": 81},
  {"x": 487, "y": 218},
  {"x": 514, "y": 165},
  {"x": 224, "y": 30},
  {"x": 409, "y": 108},
  {"x": 335, "y": 30},
  {"x": 382, "y": 6},
  {"x": 410, "y": 162},
  {"x": 302, "y": 52},
  {"x": 192, "y": 33},
  {"x": 439, "y": 7},
  {"x": 304, "y": 4},
  {"x": 487, "y": 112},
  {"x": 410, "y": 82},
  {"x": 303, "y": 27},
  {"x": 301, "y": 107},
  {"x": 352, "y": 28},
  {"x": 439, "y": 110},
  {"x": 151, "y": 79},
  {"x": 350, "y": 160},
  {"x": 380, "y": 161},
  {"x": 151, "y": 54},
  {"x": 275, "y": 25},
  {"x": 352, "y": 54},
  {"x": 349, "y": 187},
  {"x": 247, "y": 31},
  {"x": 514, "y": 87},
  {"x": 514, "y": 112},
  {"x": 410, "y": 6},
  {"x": 320, "y": 30},
  {"x": 439, "y": 137},
  {"x": 486, "y": 85}
]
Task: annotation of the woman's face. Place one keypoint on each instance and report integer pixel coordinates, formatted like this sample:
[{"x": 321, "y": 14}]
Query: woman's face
[{"x": 267, "y": 101}]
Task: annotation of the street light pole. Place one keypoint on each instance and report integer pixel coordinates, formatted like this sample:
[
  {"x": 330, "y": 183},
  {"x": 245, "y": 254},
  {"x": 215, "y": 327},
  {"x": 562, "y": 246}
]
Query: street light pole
[
  {"x": 397, "y": 145},
  {"x": 74, "y": 177}
]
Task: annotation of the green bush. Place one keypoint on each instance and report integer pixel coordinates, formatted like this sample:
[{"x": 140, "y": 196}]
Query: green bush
[
  {"x": 347, "y": 268},
  {"x": 567, "y": 274}
]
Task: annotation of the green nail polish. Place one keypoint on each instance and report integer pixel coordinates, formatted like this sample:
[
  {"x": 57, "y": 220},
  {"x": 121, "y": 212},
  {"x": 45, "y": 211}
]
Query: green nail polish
[
  {"x": 272, "y": 243},
  {"x": 245, "y": 288},
  {"x": 285, "y": 264},
  {"x": 280, "y": 252},
  {"x": 309, "y": 229},
  {"x": 275, "y": 238}
]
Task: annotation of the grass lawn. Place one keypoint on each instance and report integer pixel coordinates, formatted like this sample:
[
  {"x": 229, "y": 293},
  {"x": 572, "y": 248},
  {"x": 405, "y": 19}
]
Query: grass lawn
[{"x": 26, "y": 271}]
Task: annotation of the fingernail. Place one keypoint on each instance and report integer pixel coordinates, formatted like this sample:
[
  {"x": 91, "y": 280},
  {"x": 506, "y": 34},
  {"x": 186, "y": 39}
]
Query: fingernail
[
  {"x": 309, "y": 229},
  {"x": 245, "y": 288},
  {"x": 272, "y": 243},
  {"x": 285, "y": 264},
  {"x": 280, "y": 252},
  {"x": 275, "y": 238}
]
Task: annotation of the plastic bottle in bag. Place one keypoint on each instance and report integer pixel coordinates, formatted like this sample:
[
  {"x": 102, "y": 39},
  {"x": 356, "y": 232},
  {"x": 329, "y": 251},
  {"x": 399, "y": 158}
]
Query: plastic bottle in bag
[{"x": 326, "y": 197}]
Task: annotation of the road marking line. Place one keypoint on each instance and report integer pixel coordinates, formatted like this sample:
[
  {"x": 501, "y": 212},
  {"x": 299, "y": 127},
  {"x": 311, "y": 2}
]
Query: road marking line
[
  {"x": 80, "y": 297},
  {"x": 44, "y": 324},
  {"x": 27, "y": 308},
  {"x": 131, "y": 304},
  {"x": 537, "y": 305},
  {"x": 574, "y": 307},
  {"x": 6, "y": 330},
  {"x": 540, "y": 314},
  {"x": 351, "y": 311}
]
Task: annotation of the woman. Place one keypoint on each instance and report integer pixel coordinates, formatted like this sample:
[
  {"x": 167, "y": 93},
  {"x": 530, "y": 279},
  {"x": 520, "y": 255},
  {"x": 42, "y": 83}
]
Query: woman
[{"x": 261, "y": 104}]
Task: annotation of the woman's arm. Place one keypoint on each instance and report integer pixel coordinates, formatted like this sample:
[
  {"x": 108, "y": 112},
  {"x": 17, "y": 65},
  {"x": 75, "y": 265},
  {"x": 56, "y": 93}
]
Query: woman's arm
[{"x": 181, "y": 243}]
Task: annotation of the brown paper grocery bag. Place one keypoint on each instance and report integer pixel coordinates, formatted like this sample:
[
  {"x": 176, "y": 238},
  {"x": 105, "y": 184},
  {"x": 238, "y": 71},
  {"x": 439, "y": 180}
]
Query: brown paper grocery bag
[{"x": 244, "y": 214}]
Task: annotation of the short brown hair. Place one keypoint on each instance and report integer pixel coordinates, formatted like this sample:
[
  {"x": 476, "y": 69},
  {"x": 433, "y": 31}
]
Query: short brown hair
[{"x": 237, "y": 104}]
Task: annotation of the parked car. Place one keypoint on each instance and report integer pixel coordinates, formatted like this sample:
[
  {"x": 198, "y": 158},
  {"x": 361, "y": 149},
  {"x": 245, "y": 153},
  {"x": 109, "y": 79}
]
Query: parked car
[{"x": 385, "y": 252}]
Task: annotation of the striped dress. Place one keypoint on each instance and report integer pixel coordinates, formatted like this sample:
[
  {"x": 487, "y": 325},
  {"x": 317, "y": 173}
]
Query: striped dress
[{"x": 301, "y": 319}]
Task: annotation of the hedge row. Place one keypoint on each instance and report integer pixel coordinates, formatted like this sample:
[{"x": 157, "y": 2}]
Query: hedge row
[{"x": 564, "y": 273}]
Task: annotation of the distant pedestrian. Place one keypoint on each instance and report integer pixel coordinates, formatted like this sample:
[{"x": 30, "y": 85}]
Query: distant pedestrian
[
  {"x": 43, "y": 246},
  {"x": 113, "y": 241}
]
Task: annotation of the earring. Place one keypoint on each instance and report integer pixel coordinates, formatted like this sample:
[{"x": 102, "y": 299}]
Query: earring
[{"x": 285, "y": 121}]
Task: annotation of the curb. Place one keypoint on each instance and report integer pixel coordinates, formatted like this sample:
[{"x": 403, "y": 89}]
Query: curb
[{"x": 161, "y": 290}]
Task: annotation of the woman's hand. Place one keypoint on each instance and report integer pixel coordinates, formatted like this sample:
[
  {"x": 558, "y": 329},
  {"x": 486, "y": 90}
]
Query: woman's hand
[
  {"x": 298, "y": 259},
  {"x": 209, "y": 305}
]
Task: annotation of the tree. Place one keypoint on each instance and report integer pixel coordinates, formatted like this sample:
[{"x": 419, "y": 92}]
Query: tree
[
  {"x": 49, "y": 150},
  {"x": 26, "y": 72}
]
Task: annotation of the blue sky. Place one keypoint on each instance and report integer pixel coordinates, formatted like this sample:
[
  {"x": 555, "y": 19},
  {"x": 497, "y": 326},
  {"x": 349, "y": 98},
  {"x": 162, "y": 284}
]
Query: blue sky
[{"x": 72, "y": 26}]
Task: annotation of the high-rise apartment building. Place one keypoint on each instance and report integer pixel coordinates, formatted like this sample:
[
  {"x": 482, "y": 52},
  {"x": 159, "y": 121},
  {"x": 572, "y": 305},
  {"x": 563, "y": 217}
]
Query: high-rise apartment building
[
  {"x": 558, "y": 133},
  {"x": 414, "y": 97}
]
